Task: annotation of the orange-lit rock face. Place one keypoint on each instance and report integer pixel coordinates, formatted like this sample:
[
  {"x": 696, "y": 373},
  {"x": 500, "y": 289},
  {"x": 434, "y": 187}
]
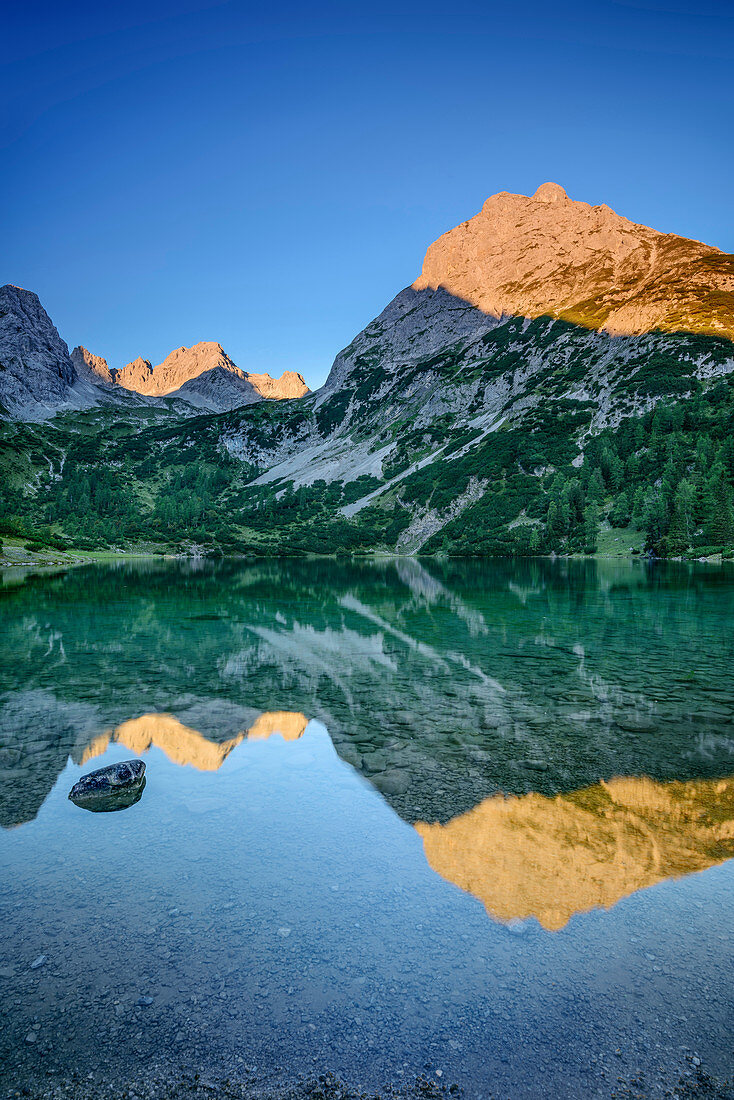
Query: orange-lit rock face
[
  {"x": 185, "y": 364},
  {"x": 179, "y": 367},
  {"x": 550, "y": 858},
  {"x": 184, "y": 746},
  {"x": 290, "y": 384},
  {"x": 92, "y": 367},
  {"x": 549, "y": 255},
  {"x": 289, "y": 724}
]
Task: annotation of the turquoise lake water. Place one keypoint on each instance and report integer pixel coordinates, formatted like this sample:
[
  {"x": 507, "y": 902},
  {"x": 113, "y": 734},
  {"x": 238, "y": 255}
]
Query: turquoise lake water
[{"x": 469, "y": 820}]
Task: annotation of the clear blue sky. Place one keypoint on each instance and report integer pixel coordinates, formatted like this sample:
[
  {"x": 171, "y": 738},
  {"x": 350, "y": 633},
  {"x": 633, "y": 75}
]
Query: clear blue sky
[{"x": 270, "y": 175}]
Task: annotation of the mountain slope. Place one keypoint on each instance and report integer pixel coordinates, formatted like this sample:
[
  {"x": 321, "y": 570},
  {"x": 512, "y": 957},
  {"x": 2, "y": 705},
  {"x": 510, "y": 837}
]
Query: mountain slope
[
  {"x": 36, "y": 372},
  {"x": 450, "y": 425}
]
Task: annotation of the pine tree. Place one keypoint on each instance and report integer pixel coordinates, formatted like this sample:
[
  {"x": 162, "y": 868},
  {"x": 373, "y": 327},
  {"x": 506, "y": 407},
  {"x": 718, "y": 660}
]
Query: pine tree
[
  {"x": 591, "y": 527},
  {"x": 620, "y": 513},
  {"x": 683, "y": 520},
  {"x": 616, "y": 473},
  {"x": 655, "y": 517},
  {"x": 718, "y": 521},
  {"x": 596, "y": 486},
  {"x": 551, "y": 523},
  {"x": 638, "y": 509}
]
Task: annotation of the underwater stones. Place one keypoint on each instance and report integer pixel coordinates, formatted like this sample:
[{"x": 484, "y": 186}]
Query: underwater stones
[
  {"x": 392, "y": 782},
  {"x": 112, "y": 788}
]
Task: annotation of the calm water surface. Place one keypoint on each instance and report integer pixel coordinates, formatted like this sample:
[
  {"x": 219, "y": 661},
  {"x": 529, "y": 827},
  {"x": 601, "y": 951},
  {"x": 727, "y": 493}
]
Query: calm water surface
[{"x": 474, "y": 820}]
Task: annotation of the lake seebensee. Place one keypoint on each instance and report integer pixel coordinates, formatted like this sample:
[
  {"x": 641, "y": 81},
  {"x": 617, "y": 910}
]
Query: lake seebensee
[{"x": 468, "y": 820}]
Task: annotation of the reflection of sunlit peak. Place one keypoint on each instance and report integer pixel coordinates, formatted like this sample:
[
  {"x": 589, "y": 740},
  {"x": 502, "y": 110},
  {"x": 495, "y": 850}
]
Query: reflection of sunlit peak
[
  {"x": 184, "y": 745},
  {"x": 288, "y": 723},
  {"x": 95, "y": 747},
  {"x": 550, "y": 858},
  {"x": 181, "y": 744}
]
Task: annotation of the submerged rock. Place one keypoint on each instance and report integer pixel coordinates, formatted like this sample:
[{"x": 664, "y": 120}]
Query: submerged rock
[{"x": 112, "y": 788}]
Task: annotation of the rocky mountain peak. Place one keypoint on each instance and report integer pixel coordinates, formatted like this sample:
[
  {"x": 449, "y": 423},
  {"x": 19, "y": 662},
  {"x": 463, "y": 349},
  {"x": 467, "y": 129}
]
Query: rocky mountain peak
[
  {"x": 135, "y": 376},
  {"x": 551, "y": 192},
  {"x": 91, "y": 367},
  {"x": 290, "y": 384},
  {"x": 551, "y": 255}
]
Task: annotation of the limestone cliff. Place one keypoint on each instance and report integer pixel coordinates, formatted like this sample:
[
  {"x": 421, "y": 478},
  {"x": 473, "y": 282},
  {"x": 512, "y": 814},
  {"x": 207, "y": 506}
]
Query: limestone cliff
[
  {"x": 36, "y": 371},
  {"x": 548, "y": 255}
]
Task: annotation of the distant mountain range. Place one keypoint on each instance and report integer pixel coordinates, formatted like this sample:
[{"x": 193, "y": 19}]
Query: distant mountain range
[
  {"x": 39, "y": 377},
  {"x": 504, "y": 402}
]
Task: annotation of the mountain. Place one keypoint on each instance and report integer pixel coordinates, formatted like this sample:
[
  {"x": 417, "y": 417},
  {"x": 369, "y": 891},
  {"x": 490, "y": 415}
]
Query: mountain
[
  {"x": 184, "y": 365},
  {"x": 177, "y": 368},
  {"x": 36, "y": 372},
  {"x": 136, "y": 376},
  {"x": 289, "y": 385},
  {"x": 550, "y": 858},
  {"x": 38, "y": 377},
  {"x": 550, "y": 256},
  {"x": 557, "y": 378}
]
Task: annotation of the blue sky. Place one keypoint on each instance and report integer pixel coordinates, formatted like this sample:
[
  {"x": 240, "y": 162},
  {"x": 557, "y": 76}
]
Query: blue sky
[{"x": 270, "y": 175}]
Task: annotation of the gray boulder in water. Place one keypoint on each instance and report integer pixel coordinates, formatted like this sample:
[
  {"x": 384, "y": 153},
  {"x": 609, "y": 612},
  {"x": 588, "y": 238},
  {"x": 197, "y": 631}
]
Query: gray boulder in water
[{"x": 112, "y": 788}]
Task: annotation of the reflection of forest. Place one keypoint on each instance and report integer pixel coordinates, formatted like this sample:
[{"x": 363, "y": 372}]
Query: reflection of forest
[{"x": 444, "y": 683}]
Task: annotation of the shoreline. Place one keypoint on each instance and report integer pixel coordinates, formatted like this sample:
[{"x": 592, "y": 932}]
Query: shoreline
[
  {"x": 23, "y": 558},
  {"x": 688, "y": 1081}
]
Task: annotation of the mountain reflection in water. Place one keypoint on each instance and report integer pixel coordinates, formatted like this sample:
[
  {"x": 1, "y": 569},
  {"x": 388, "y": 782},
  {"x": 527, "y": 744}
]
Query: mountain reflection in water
[
  {"x": 187, "y": 746},
  {"x": 352, "y": 767},
  {"x": 550, "y": 858},
  {"x": 526, "y": 856}
]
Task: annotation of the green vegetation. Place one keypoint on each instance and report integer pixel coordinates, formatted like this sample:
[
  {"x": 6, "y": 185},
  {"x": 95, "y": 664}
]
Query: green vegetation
[
  {"x": 543, "y": 480},
  {"x": 668, "y": 475}
]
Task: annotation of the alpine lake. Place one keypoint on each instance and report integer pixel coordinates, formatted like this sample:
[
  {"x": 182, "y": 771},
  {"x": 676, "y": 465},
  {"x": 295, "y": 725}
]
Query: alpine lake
[{"x": 468, "y": 822}]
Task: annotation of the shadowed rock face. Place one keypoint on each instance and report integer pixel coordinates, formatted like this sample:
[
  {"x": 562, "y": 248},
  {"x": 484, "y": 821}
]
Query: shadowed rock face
[
  {"x": 549, "y": 255},
  {"x": 36, "y": 371}
]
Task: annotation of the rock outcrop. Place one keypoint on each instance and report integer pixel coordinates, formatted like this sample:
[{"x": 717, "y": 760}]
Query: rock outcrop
[
  {"x": 135, "y": 376},
  {"x": 36, "y": 371},
  {"x": 92, "y": 368},
  {"x": 290, "y": 384}
]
